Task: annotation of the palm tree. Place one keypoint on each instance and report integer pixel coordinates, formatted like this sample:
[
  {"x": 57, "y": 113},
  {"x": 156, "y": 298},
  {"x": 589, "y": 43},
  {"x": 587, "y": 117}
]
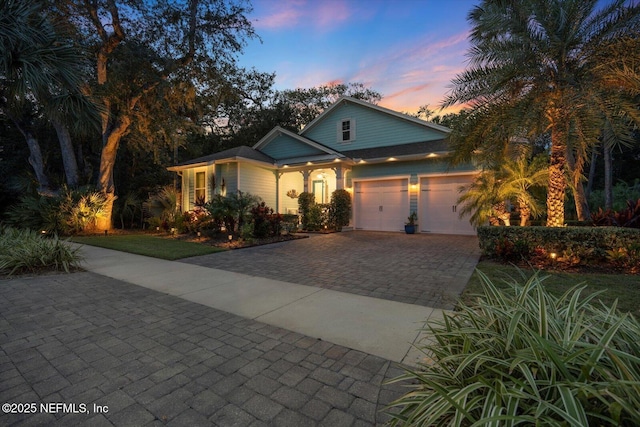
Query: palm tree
[
  {"x": 556, "y": 66},
  {"x": 39, "y": 73},
  {"x": 487, "y": 197}
]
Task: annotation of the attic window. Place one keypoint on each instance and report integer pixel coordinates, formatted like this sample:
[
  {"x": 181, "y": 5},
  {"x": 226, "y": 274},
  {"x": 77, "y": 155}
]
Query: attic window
[{"x": 346, "y": 130}]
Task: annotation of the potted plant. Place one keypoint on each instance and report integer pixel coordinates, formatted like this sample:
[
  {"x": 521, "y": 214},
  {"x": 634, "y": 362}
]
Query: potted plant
[{"x": 410, "y": 226}]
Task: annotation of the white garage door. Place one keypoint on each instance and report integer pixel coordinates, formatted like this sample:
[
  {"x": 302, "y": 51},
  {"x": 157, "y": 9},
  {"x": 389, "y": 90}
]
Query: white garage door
[
  {"x": 381, "y": 205},
  {"x": 438, "y": 202}
]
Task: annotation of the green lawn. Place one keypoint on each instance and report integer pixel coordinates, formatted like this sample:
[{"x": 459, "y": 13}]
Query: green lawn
[
  {"x": 623, "y": 287},
  {"x": 152, "y": 246}
]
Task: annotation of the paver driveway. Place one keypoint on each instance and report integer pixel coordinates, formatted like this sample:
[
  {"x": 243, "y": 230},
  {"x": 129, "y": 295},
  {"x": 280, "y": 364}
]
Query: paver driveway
[
  {"x": 153, "y": 359},
  {"x": 422, "y": 269}
]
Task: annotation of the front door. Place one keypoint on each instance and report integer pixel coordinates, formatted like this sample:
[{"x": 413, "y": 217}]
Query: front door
[{"x": 318, "y": 191}]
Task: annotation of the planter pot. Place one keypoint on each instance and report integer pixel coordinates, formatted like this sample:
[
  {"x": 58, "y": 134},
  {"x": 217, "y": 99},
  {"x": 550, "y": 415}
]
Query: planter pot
[{"x": 410, "y": 229}]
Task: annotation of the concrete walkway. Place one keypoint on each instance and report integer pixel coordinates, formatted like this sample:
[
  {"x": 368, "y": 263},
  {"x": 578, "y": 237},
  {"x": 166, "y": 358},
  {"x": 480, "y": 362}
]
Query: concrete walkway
[{"x": 384, "y": 328}]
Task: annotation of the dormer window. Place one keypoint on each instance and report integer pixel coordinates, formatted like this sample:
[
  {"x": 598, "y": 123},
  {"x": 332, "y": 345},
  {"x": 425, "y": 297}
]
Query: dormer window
[{"x": 346, "y": 130}]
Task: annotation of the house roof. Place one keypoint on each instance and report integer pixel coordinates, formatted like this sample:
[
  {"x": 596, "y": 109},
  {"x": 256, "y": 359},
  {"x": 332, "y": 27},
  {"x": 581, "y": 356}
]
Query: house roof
[
  {"x": 242, "y": 152},
  {"x": 384, "y": 110},
  {"x": 416, "y": 148},
  {"x": 275, "y": 132}
]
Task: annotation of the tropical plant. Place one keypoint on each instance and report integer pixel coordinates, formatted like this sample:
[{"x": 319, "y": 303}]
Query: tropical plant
[
  {"x": 522, "y": 356},
  {"x": 164, "y": 204},
  {"x": 483, "y": 202},
  {"x": 41, "y": 73},
  {"x": 537, "y": 66},
  {"x": 24, "y": 251},
  {"x": 232, "y": 209},
  {"x": 69, "y": 212}
]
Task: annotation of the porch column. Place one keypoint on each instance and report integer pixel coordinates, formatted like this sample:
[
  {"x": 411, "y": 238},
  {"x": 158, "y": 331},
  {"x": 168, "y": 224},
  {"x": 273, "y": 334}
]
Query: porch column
[
  {"x": 339, "y": 177},
  {"x": 278, "y": 175},
  {"x": 305, "y": 177}
]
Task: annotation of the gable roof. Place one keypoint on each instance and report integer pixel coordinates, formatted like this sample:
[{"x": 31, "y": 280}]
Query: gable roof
[
  {"x": 242, "y": 152},
  {"x": 345, "y": 99},
  {"x": 277, "y": 131}
]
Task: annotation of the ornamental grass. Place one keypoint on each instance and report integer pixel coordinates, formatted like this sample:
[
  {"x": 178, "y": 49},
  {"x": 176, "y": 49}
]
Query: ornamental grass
[
  {"x": 26, "y": 251},
  {"x": 522, "y": 356}
]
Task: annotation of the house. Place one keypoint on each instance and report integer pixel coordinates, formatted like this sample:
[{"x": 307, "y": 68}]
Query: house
[{"x": 391, "y": 163}]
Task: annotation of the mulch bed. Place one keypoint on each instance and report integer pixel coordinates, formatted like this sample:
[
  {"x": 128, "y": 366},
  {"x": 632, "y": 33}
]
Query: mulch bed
[{"x": 222, "y": 241}]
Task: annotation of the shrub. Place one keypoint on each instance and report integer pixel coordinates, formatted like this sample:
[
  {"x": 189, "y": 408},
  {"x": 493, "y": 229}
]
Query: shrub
[
  {"x": 588, "y": 243},
  {"x": 305, "y": 202},
  {"x": 340, "y": 209},
  {"x": 525, "y": 357},
  {"x": 29, "y": 251},
  {"x": 232, "y": 209},
  {"x": 164, "y": 206},
  {"x": 627, "y": 217},
  {"x": 265, "y": 222},
  {"x": 70, "y": 212}
]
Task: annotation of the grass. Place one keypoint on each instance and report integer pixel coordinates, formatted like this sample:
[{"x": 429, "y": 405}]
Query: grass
[
  {"x": 623, "y": 287},
  {"x": 141, "y": 244}
]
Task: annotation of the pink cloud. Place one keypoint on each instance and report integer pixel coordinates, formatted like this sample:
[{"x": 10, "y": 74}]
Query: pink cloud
[{"x": 322, "y": 15}]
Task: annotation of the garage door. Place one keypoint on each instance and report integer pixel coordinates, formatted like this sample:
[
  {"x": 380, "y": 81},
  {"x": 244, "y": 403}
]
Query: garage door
[
  {"x": 438, "y": 203},
  {"x": 381, "y": 205}
]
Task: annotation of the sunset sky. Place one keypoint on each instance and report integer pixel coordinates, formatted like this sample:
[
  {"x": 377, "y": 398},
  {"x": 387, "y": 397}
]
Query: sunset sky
[{"x": 408, "y": 50}]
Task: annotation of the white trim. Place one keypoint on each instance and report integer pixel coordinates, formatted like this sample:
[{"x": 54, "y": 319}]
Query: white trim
[{"x": 340, "y": 131}]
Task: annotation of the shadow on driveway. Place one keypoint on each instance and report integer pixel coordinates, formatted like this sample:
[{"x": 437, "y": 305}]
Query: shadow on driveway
[{"x": 423, "y": 269}]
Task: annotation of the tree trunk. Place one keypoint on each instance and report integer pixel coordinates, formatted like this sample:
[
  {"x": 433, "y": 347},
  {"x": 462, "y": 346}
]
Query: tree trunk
[
  {"x": 68, "y": 156},
  {"x": 557, "y": 180},
  {"x": 111, "y": 141},
  {"x": 525, "y": 212},
  {"x": 35, "y": 156},
  {"x": 592, "y": 173},
  {"x": 575, "y": 168},
  {"x": 503, "y": 213},
  {"x": 608, "y": 178}
]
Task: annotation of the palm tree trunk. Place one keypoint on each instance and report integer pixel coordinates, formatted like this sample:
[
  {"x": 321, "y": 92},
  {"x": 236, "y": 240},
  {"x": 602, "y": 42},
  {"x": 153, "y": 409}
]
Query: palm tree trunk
[
  {"x": 608, "y": 178},
  {"x": 557, "y": 180},
  {"x": 503, "y": 213},
  {"x": 592, "y": 173},
  {"x": 576, "y": 167},
  {"x": 35, "y": 155},
  {"x": 66, "y": 149},
  {"x": 525, "y": 212}
]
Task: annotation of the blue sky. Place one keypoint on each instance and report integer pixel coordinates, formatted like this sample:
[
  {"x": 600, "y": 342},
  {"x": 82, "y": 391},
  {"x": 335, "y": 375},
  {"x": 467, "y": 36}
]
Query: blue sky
[{"x": 409, "y": 50}]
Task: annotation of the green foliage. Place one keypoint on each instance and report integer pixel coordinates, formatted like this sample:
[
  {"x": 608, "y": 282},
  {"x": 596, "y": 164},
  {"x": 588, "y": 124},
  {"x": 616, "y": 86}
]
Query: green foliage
[
  {"x": 522, "y": 356},
  {"x": 70, "y": 212},
  {"x": 305, "y": 202},
  {"x": 232, "y": 209},
  {"x": 27, "y": 251},
  {"x": 622, "y": 192},
  {"x": 339, "y": 209},
  {"x": 164, "y": 205},
  {"x": 411, "y": 220},
  {"x": 586, "y": 244}
]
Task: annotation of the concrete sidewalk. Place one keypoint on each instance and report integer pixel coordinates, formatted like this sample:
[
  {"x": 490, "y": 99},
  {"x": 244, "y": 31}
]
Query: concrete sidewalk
[{"x": 383, "y": 328}]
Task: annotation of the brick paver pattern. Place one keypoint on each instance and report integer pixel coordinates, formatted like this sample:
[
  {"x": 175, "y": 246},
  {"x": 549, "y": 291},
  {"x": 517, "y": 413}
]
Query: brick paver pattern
[
  {"x": 154, "y": 359},
  {"x": 423, "y": 269}
]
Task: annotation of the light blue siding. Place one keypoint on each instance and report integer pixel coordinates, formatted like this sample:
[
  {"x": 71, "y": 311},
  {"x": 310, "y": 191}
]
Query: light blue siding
[
  {"x": 259, "y": 181},
  {"x": 285, "y": 147},
  {"x": 229, "y": 172},
  {"x": 373, "y": 129}
]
